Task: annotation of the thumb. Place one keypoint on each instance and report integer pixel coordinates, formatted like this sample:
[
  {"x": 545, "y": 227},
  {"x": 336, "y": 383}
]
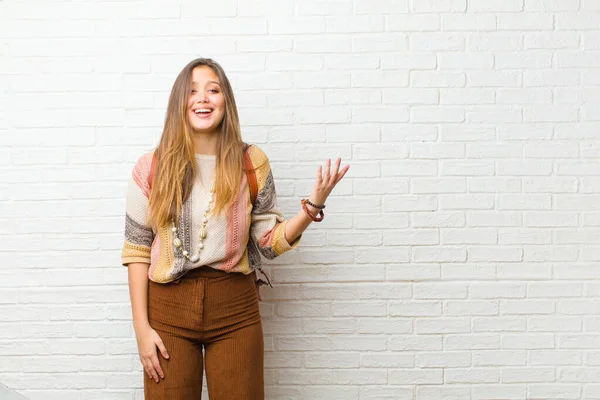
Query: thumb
[{"x": 162, "y": 348}]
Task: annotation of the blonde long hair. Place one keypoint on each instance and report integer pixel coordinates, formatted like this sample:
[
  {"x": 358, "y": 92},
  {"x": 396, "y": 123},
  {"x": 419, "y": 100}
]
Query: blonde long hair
[{"x": 175, "y": 155}]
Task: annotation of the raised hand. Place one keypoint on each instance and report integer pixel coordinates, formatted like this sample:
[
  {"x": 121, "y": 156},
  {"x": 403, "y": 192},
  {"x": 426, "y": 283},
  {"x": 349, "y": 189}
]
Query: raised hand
[{"x": 326, "y": 180}]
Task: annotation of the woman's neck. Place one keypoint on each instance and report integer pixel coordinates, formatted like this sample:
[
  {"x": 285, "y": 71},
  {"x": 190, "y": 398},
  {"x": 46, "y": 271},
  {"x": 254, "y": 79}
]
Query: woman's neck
[{"x": 205, "y": 143}]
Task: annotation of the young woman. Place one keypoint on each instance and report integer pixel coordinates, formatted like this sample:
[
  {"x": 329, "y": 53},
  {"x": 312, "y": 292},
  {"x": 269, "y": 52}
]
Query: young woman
[{"x": 201, "y": 209}]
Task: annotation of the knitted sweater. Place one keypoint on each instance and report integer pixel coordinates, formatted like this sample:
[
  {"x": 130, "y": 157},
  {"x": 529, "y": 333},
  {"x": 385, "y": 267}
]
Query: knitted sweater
[{"x": 234, "y": 240}]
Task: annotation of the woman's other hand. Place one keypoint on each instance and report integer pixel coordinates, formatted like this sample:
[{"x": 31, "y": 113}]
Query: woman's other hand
[{"x": 148, "y": 341}]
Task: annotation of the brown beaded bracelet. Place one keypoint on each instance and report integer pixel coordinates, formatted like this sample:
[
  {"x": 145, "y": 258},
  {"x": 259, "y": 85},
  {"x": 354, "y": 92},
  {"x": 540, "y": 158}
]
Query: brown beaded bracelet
[
  {"x": 310, "y": 203},
  {"x": 317, "y": 218}
]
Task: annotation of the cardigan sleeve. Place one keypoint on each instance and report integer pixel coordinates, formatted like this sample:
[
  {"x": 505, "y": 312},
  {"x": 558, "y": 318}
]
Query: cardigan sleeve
[
  {"x": 138, "y": 232},
  {"x": 267, "y": 222}
]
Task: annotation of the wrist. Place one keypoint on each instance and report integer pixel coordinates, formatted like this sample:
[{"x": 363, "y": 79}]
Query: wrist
[
  {"x": 317, "y": 204},
  {"x": 140, "y": 326},
  {"x": 315, "y": 214},
  {"x": 314, "y": 211}
]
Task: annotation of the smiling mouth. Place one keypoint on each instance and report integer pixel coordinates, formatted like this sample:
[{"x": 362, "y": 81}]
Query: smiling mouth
[{"x": 203, "y": 112}]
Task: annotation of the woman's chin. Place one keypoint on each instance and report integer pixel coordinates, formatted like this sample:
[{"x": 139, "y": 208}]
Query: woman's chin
[{"x": 204, "y": 129}]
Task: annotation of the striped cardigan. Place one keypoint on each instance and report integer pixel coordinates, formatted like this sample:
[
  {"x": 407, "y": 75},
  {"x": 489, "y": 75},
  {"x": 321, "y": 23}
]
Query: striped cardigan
[{"x": 251, "y": 229}]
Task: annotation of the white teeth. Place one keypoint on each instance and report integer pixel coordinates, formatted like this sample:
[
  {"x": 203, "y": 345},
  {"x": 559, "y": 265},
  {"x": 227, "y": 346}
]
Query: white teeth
[{"x": 202, "y": 110}]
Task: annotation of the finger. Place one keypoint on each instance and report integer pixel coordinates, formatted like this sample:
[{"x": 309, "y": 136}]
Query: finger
[
  {"x": 319, "y": 174},
  {"x": 342, "y": 173},
  {"x": 156, "y": 365},
  {"x": 327, "y": 168},
  {"x": 148, "y": 369},
  {"x": 154, "y": 375},
  {"x": 151, "y": 370},
  {"x": 335, "y": 170},
  {"x": 163, "y": 349}
]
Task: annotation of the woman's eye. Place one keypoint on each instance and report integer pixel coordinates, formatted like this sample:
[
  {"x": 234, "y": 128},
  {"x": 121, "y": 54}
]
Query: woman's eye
[
  {"x": 213, "y": 91},
  {"x": 193, "y": 90}
]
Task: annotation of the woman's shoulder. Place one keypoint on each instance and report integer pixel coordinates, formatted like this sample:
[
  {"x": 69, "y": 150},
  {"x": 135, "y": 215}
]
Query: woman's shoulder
[
  {"x": 257, "y": 156},
  {"x": 142, "y": 169},
  {"x": 144, "y": 162}
]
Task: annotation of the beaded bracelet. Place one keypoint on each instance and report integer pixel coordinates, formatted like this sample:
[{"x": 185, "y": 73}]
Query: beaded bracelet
[
  {"x": 310, "y": 203},
  {"x": 319, "y": 216}
]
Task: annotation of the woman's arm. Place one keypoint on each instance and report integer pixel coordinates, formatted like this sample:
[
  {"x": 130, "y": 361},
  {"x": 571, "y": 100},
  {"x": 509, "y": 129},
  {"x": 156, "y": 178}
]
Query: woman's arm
[
  {"x": 147, "y": 338},
  {"x": 138, "y": 293},
  {"x": 323, "y": 187}
]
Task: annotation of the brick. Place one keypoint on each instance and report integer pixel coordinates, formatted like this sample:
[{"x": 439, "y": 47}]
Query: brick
[
  {"x": 413, "y": 23},
  {"x": 471, "y": 308},
  {"x": 417, "y": 377},
  {"x": 409, "y": 61},
  {"x": 495, "y": 5},
  {"x": 355, "y": 24},
  {"x": 525, "y": 22},
  {"x": 468, "y": 22},
  {"x": 440, "y": 325},
  {"x": 393, "y": 325},
  {"x": 461, "y": 271},
  {"x": 415, "y": 308},
  {"x": 426, "y": 114},
  {"x": 529, "y": 307},
  {"x": 330, "y": 360},
  {"x": 437, "y": 42},
  {"x": 443, "y": 185},
  {"x": 472, "y": 342},
  {"x": 503, "y": 391},
  {"x": 389, "y": 360},
  {"x": 351, "y": 62},
  {"x": 377, "y": 43},
  {"x": 410, "y": 96},
  {"x": 466, "y": 96},
  {"x": 552, "y": 5},
  {"x": 499, "y": 358},
  {"x": 352, "y": 96},
  {"x": 472, "y": 375},
  {"x": 444, "y": 6},
  {"x": 441, "y": 220},
  {"x": 380, "y": 7},
  {"x": 495, "y": 42},
  {"x": 297, "y": 25},
  {"x": 338, "y": 7},
  {"x": 528, "y": 375},
  {"x": 576, "y": 21},
  {"x": 553, "y": 390},
  {"x": 443, "y": 360},
  {"x": 528, "y": 341},
  {"x": 383, "y": 79},
  {"x": 555, "y": 357},
  {"x": 552, "y": 40}
]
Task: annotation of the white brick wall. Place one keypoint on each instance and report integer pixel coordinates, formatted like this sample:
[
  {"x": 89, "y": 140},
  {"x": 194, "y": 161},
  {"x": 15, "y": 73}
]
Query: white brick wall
[{"x": 458, "y": 259}]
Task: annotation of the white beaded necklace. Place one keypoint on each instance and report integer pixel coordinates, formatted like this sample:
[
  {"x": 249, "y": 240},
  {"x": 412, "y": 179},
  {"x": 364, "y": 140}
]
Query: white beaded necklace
[{"x": 201, "y": 236}]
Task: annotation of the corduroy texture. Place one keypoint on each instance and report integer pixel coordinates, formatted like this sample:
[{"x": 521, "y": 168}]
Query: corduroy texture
[{"x": 217, "y": 311}]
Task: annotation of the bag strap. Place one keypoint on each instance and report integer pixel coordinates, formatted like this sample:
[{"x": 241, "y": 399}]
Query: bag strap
[
  {"x": 152, "y": 171},
  {"x": 250, "y": 174}
]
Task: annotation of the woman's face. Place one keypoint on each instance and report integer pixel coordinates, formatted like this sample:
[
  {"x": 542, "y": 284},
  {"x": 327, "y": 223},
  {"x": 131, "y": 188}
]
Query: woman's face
[{"x": 206, "y": 102}]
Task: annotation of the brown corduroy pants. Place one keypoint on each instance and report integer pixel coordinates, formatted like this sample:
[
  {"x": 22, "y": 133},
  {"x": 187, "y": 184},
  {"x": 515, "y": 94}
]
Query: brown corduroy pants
[{"x": 215, "y": 311}]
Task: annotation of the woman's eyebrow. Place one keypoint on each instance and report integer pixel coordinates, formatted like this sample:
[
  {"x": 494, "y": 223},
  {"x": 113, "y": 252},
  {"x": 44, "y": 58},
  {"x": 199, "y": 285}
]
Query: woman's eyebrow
[{"x": 194, "y": 82}]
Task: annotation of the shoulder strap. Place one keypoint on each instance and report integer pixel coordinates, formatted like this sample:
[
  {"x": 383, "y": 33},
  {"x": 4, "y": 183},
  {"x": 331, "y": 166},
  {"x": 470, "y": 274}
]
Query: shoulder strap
[
  {"x": 251, "y": 174},
  {"x": 152, "y": 170}
]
